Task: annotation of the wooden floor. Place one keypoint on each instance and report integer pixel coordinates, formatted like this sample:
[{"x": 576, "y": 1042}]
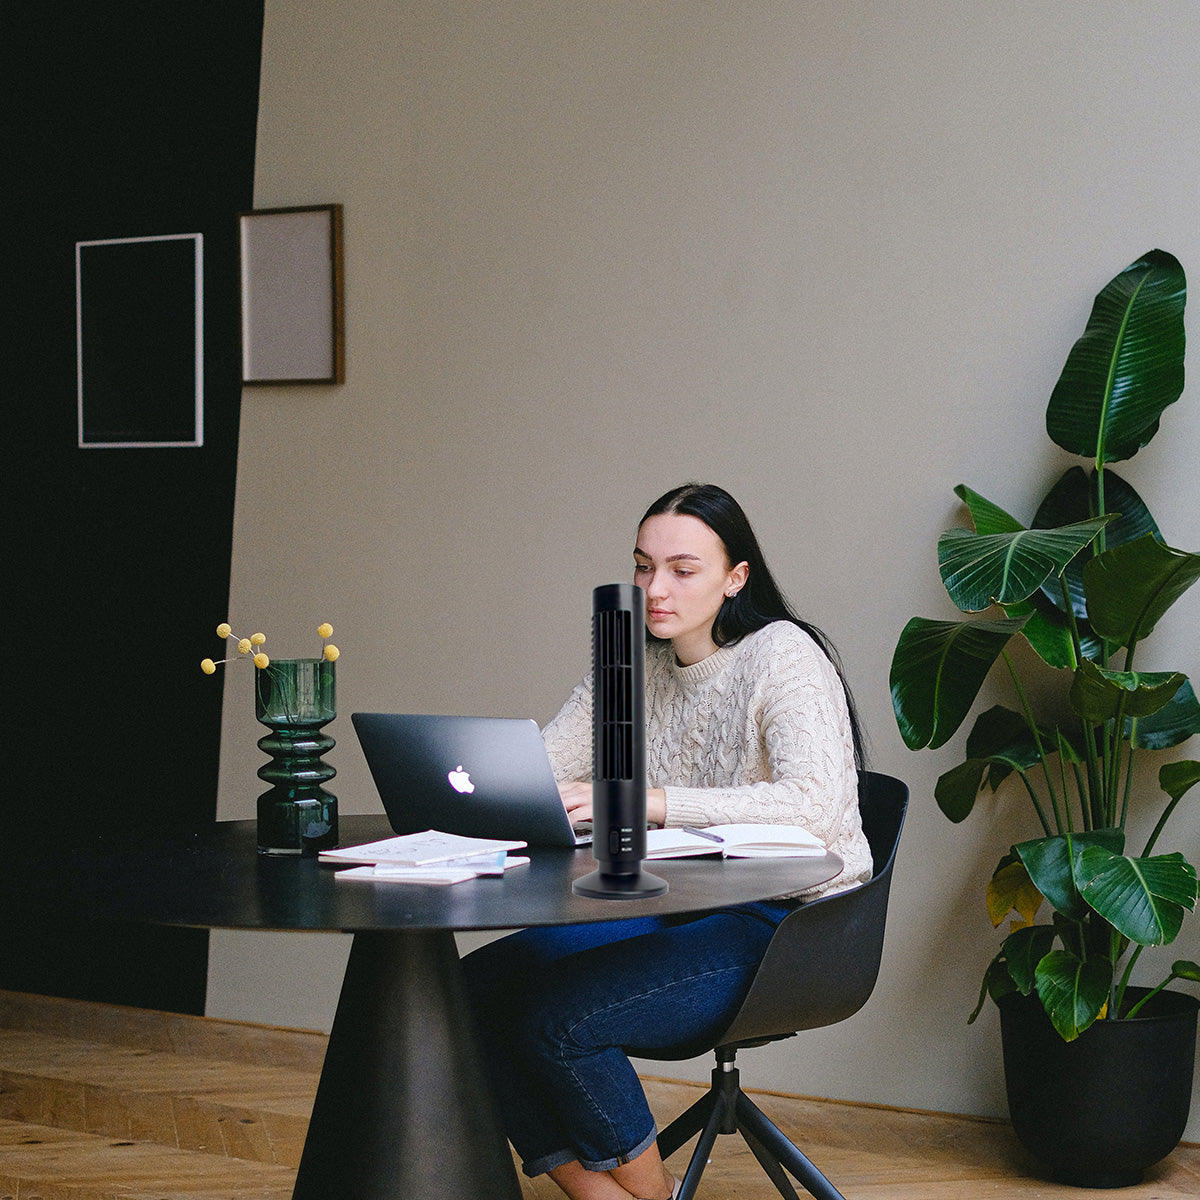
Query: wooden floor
[{"x": 105, "y": 1103}]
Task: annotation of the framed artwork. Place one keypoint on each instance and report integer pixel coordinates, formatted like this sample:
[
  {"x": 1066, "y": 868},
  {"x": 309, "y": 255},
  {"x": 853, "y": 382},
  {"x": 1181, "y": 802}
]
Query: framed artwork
[
  {"x": 139, "y": 339},
  {"x": 292, "y": 300}
]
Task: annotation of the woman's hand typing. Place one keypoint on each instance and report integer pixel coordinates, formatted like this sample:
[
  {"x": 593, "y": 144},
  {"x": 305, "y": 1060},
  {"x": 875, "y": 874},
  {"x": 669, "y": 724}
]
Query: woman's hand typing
[{"x": 577, "y": 800}]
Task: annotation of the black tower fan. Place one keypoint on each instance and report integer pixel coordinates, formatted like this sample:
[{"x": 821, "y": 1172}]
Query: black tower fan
[{"x": 619, "y": 747}]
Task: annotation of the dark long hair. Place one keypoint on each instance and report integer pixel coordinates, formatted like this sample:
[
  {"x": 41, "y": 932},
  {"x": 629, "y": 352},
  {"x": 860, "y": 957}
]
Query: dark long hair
[{"x": 759, "y": 601}]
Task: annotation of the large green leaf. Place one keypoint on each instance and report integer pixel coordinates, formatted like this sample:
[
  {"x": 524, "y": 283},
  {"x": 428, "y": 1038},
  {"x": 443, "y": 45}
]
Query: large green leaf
[
  {"x": 1098, "y": 695},
  {"x": 1173, "y": 723},
  {"x": 997, "y": 982},
  {"x": 957, "y": 789},
  {"x": 988, "y": 517},
  {"x": 1129, "y": 587},
  {"x": 1050, "y": 862},
  {"x": 1000, "y": 742},
  {"x": 937, "y": 670},
  {"x": 1005, "y": 568},
  {"x": 1003, "y": 735},
  {"x": 1073, "y": 992},
  {"x": 1178, "y": 777},
  {"x": 1023, "y": 949},
  {"x": 1047, "y": 631},
  {"x": 1143, "y": 898},
  {"x": 1128, "y": 365},
  {"x": 1075, "y": 497}
]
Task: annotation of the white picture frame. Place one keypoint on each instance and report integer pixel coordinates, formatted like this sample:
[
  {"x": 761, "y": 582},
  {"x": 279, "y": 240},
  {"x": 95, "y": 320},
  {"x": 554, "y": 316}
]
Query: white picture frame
[{"x": 139, "y": 337}]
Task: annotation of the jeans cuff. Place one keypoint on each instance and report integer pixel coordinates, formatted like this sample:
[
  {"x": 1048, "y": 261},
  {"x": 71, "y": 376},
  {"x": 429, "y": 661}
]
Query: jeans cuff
[
  {"x": 547, "y": 1162},
  {"x": 607, "y": 1164}
]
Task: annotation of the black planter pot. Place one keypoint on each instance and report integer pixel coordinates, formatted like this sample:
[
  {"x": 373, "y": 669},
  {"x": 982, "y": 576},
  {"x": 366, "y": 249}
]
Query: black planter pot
[{"x": 1101, "y": 1109}]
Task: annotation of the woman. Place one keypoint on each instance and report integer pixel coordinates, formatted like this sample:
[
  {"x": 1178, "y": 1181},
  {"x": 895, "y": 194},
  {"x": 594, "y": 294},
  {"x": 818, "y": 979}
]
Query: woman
[{"x": 747, "y": 720}]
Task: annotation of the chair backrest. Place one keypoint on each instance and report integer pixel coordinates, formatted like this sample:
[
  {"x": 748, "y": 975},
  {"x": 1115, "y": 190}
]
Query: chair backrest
[{"x": 823, "y": 960}]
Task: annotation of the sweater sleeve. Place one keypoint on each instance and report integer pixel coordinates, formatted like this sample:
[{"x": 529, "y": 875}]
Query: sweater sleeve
[{"x": 568, "y": 736}]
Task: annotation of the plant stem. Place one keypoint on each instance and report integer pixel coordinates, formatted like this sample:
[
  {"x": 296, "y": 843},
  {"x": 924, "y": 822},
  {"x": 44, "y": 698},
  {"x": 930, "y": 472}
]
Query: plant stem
[
  {"x": 1118, "y": 738},
  {"x": 1062, "y": 778},
  {"x": 1074, "y": 938},
  {"x": 1081, "y": 788},
  {"x": 1159, "y": 827},
  {"x": 1133, "y": 1012},
  {"x": 1128, "y": 776},
  {"x": 1037, "y": 803},
  {"x": 1037, "y": 738},
  {"x": 1117, "y": 994},
  {"x": 1094, "y": 788},
  {"x": 1112, "y": 756}
]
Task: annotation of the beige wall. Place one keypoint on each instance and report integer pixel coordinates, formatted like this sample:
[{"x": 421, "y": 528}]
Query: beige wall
[{"x": 829, "y": 254}]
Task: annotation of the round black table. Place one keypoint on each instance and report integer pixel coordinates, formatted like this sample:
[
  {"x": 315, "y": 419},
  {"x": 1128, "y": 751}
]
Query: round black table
[{"x": 402, "y": 1107}]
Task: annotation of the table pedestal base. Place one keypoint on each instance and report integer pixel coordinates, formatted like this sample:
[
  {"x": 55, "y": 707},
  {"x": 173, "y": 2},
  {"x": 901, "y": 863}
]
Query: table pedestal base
[{"x": 403, "y": 1108}]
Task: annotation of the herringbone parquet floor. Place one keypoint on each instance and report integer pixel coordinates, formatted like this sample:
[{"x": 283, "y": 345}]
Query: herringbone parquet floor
[{"x": 105, "y": 1103}]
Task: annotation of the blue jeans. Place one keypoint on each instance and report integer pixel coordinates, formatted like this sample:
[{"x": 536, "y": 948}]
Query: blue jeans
[{"x": 559, "y": 1010}]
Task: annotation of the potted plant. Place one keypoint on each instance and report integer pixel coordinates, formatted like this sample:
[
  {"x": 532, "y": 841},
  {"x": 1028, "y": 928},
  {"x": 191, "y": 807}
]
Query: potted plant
[{"x": 1080, "y": 587}]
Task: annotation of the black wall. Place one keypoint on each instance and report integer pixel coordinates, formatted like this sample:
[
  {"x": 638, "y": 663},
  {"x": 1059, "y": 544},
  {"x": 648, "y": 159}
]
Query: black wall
[{"x": 126, "y": 120}]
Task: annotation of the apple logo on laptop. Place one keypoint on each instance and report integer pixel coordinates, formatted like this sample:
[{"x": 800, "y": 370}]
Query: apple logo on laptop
[{"x": 460, "y": 780}]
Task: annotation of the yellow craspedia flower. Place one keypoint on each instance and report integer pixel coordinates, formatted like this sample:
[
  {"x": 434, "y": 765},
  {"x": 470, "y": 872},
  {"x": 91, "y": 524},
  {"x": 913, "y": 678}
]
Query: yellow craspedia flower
[{"x": 251, "y": 647}]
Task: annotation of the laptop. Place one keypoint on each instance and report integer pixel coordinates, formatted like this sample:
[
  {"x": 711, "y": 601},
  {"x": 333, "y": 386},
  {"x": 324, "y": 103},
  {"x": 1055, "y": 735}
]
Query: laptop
[{"x": 477, "y": 776}]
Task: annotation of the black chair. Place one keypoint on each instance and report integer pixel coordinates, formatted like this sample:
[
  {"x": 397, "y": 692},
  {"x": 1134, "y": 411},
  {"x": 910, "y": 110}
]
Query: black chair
[{"x": 820, "y": 967}]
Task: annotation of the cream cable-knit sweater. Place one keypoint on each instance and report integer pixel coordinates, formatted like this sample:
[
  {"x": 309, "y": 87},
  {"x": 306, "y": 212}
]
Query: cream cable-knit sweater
[{"x": 757, "y": 732}]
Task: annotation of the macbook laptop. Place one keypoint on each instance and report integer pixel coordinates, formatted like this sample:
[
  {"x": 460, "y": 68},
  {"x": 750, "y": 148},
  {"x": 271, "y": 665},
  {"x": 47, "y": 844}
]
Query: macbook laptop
[{"x": 477, "y": 776}]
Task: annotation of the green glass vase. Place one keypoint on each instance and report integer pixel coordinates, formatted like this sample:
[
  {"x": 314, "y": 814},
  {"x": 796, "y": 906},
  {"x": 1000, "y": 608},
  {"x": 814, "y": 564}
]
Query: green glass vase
[{"x": 294, "y": 698}]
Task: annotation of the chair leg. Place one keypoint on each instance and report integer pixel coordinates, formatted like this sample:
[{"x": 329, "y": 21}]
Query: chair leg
[
  {"x": 704, "y": 1146},
  {"x": 772, "y": 1139},
  {"x": 770, "y": 1164},
  {"x": 686, "y": 1125}
]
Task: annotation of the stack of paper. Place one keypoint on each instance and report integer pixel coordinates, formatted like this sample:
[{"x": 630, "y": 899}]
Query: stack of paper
[{"x": 429, "y": 857}]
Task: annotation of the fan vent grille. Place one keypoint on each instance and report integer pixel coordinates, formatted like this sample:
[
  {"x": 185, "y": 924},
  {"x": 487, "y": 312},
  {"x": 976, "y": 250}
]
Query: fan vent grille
[{"x": 612, "y": 657}]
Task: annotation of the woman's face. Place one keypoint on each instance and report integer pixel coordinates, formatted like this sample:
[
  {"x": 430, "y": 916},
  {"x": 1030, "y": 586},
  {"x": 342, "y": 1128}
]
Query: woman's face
[{"x": 685, "y": 572}]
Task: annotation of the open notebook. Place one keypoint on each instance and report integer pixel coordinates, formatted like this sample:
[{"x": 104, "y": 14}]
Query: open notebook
[{"x": 734, "y": 841}]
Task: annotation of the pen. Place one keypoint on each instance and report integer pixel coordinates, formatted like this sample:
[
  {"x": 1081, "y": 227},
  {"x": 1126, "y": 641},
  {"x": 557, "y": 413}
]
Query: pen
[{"x": 712, "y": 837}]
